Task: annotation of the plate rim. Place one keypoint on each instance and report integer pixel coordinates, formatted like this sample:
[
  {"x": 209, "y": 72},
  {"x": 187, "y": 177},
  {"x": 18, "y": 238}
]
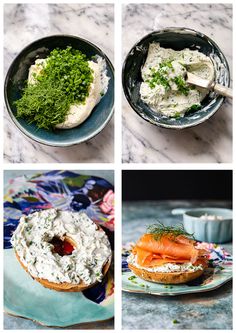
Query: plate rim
[
  {"x": 178, "y": 292},
  {"x": 54, "y": 326}
]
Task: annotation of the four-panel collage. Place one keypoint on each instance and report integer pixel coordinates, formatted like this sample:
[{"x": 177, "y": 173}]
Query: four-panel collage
[{"x": 117, "y": 165}]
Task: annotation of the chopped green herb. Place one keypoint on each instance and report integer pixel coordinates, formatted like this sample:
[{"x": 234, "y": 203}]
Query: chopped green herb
[
  {"x": 195, "y": 107},
  {"x": 133, "y": 277},
  {"x": 181, "y": 84},
  {"x": 65, "y": 80},
  {"x": 175, "y": 321},
  {"x": 177, "y": 115},
  {"x": 166, "y": 63},
  {"x": 157, "y": 78}
]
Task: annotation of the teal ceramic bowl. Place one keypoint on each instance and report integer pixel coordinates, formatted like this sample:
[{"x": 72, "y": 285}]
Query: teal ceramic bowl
[
  {"x": 17, "y": 76},
  {"x": 176, "y": 39},
  {"x": 200, "y": 222}
]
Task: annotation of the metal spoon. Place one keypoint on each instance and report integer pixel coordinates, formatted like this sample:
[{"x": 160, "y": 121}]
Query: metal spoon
[{"x": 202, "y": 83}]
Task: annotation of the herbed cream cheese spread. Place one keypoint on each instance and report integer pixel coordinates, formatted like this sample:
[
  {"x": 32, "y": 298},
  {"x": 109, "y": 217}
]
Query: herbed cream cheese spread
[
  {"x": 78, "y": 113},
  {"x": 31, "y": 241},
  {"x": 164, "y": 87},
  {"x": 166, "y": 268},
  {"x": 210, "y": 217}
]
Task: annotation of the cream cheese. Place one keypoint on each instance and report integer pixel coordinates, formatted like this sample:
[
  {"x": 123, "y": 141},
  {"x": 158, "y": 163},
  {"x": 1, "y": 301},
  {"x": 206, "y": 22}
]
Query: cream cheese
[
  {"x": 31, "y": 241},
  {"x": 78, "y": 113},
  {"x": 168, "y": 68},
  {"x": 166, "y": 268},
  {"x": 210, "y": 217}
]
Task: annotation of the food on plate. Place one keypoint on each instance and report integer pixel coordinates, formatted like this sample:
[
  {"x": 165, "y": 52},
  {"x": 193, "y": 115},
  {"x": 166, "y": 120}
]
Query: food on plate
[
  {"x": 164, "y": 87},
  {"x": 63, "y": 250},
  {"x": 63, "y": 89},
  {"x": 167, "y": 255}
]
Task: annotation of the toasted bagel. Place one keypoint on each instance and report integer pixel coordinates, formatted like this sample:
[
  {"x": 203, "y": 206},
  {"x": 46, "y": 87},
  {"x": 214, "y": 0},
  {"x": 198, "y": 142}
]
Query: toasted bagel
[
  {"x": 166, "y": 278},
  {"x": 67, "y": 287},
  {"x": 70, "y": 251}
]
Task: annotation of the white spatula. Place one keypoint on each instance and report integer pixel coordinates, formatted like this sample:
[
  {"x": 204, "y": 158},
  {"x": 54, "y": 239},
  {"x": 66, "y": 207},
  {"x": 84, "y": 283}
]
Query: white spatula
[{"x": 202, "y": 83}]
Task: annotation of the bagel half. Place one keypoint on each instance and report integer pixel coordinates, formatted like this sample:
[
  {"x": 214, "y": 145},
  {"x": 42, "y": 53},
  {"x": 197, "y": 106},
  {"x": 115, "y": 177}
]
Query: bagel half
[
  {"x": 67, "y": 287},
  {"x": 165, "y": 278}
]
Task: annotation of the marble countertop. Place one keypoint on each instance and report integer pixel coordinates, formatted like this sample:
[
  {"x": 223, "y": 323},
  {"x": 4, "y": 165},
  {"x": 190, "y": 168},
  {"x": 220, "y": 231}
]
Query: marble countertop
[
  {"x": 24, "y": 23},
  {"x": 210, "y": 142},
  {"x": 210, "y": 310}
]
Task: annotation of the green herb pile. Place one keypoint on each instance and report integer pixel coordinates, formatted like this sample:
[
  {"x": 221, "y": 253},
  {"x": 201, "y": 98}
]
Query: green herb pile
[
  {"x": 65, "y": 80},
  {"x": 160, "y": 77},
  {"x": 159, "y": 229},
  {"x": 182, "y": 85}
]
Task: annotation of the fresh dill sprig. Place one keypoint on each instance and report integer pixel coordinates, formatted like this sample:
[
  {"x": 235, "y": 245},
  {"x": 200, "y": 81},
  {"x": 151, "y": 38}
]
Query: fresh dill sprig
[{"x": 159, "y": 229}]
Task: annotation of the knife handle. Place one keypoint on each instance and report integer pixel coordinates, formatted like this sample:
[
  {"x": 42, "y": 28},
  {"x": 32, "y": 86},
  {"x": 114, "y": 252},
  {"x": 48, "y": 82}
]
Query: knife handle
[{"x": 222, "y": 90}]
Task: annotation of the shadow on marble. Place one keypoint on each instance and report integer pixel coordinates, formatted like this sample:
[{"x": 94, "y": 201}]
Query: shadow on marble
[
  {"x": 19, "y": 149},
  {"x": 210, "y": 142}
]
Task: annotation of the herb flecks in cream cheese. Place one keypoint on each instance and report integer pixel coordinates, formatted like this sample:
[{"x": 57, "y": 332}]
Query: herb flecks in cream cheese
[
  {"x": 31, "y": 241},
  {"x": 164, "y": 87}
]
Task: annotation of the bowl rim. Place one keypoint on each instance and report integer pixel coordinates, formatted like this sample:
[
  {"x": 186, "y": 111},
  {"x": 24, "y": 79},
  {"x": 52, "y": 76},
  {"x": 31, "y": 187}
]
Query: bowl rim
[
  {"x": 228, "y": 211},
  {"x": 27, "y": 133},
  {"x": 146, "y": 118}
]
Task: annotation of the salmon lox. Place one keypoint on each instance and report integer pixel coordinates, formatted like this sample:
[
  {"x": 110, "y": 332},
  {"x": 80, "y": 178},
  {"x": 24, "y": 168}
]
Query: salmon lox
[{"x": 167, "y": 249}]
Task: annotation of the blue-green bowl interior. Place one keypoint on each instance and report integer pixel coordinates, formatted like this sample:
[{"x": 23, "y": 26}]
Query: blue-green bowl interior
[
  {"x": 16, "y": 80},
  {"x": 176, "y": 39}
]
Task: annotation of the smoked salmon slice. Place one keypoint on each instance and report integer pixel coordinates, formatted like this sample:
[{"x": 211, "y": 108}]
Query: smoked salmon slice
[{"x": 166, "y": 249}]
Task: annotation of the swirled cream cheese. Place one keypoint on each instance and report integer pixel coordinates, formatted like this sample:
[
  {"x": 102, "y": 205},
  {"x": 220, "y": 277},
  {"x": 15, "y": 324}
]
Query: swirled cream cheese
[
  {"x": 164, "y": 87},
  {"x": 78, "y": 113},
  {"x": 31, "y": 241},
  {"x": 166, "y": 268}
]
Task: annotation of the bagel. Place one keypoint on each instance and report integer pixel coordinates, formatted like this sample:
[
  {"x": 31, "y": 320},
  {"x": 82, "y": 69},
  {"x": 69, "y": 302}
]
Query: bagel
[
  {"x": 67, "y": 287},
  {"x": 62, "y": 250},
  {"x": 168, "y": 255},
  {"x": 166, "y": 278}
]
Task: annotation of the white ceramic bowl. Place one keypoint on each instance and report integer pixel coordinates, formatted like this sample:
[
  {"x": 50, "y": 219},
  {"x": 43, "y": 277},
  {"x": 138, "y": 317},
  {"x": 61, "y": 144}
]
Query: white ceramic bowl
[{"x": 205, "y": 228}]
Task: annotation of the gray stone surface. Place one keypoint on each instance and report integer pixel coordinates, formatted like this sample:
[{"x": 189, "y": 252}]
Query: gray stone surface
[{"x": 209, "y": 310}]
